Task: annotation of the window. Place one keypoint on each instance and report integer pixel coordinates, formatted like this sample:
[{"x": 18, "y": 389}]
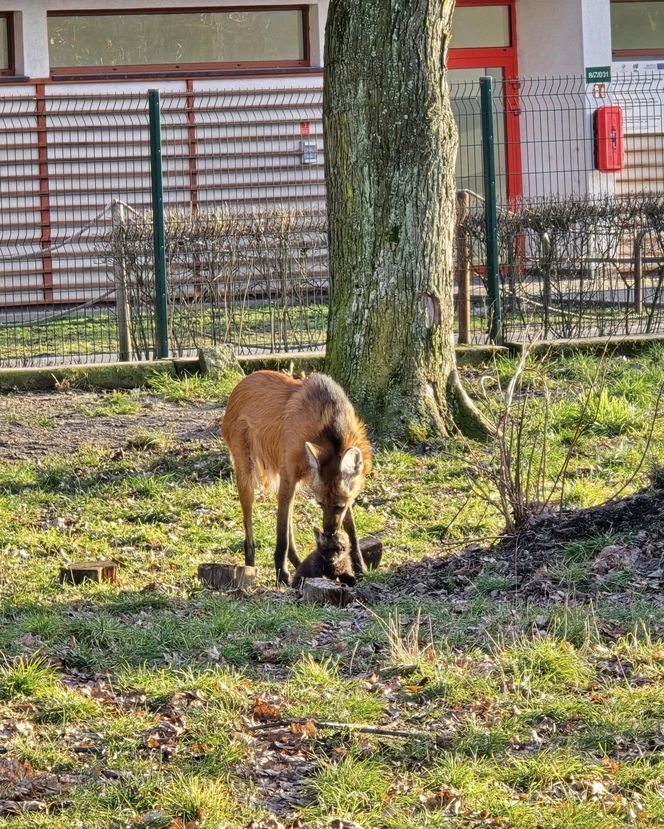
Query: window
[
  {"x": 103, "y": 42},
  {"x": 637, "y": 28},
  {"x": 480, "y": 26},
  {"x": 6, "y": 45}
]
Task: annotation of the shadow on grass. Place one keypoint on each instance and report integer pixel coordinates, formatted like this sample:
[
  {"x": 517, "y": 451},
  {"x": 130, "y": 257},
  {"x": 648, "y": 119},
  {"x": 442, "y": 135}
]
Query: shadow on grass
[
  {"x": 614, "y": 550},
  {"x": 104, "y": 629},
  {"x": 72, "y": 475}
]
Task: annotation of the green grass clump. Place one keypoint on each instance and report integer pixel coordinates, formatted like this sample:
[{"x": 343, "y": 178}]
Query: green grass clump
[
  {"x": 113, "y": 404},
  {"x": 602, "y": 414},
  {"x": 26, "y": 677},
  {"x": 205, "y": 803},
  {"x": 153, "y": 441},
  {"x": 583, "y": 550},
  {"x": 194, "y": 388},
  {"x": 316, "y": 689},
  {"x": 546, "y": 768},
  {"x": 350, "y": 789},
  {"x": 545, "y": 662}
]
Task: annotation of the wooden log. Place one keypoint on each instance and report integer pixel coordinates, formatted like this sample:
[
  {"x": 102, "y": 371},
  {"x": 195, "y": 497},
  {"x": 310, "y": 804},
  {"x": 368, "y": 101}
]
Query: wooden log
[
  {"x": 227, "y": 576},
  {"x": 371, "y": 548},
  {"x": 80, "y": 571},
  {"x": 325, "y": 591}
]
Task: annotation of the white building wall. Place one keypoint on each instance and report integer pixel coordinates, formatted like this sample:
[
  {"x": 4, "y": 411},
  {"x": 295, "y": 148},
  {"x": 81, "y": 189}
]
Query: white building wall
[
  {"x": 596, "y": 23},
  {"x": 558, "y": 41},
  {"x": 549, "y": 38}
]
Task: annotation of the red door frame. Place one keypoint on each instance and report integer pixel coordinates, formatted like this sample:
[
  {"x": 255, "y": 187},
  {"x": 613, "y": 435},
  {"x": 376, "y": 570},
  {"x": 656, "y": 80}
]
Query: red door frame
[{"x": 504, "y": 58}]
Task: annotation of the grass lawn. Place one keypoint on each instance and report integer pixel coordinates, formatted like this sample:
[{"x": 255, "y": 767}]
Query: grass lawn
[
  {"x": 485, "y": 697},
  {"x": 263, "y": 328}
]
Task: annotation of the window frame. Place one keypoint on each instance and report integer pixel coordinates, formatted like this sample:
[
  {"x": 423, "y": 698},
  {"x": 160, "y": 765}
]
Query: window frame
[
  {"x": 634, "y": 53},
  {"x": 145, "y": 69},
  {"x": 10, "y": 71},
  {"x": 486, "y": 53}
]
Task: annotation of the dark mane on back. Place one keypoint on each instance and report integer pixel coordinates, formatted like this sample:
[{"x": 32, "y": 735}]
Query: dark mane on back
[{"x": 331, "y": 398}]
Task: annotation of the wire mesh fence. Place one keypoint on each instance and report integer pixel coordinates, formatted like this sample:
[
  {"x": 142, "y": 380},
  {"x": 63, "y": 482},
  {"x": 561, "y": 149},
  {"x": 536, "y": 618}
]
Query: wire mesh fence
[
  {"x": 578, "y": 268},
  {"x": 255, "y": 280},
  {"x": 246, "y": 226},
  {"x": 244, "y": 200},
  {"x": 580, "y": 249},
  {"x": 63, "y": 161}
]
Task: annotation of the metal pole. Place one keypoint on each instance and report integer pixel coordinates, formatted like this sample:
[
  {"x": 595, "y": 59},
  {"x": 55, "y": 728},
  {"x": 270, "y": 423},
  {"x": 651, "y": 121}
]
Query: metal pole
[
  {"x": 638, "y": 273},
  {"x": 491, "y": 219},
  {"x": 120, "y": 268},
  {"x": 160, "y": 291},
  {"x": 463, "y": 258},
  {"x": 547, "y": 267}
]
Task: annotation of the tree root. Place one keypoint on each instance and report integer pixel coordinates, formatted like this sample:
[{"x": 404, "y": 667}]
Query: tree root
[{"x": 467, "y": 418}]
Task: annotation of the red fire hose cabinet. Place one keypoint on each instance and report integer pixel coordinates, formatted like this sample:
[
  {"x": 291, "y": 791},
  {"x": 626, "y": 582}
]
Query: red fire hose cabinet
[{"x": 609, "y": 130}]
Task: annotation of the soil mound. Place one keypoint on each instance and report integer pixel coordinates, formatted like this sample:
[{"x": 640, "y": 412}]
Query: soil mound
[{"x": 615, "y": 550}]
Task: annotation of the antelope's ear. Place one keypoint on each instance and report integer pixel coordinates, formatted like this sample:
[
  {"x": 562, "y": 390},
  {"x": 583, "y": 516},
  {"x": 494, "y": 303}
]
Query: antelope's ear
[
  {"x": 313, "y": 453},
  {"x": 352, "y": 463}
]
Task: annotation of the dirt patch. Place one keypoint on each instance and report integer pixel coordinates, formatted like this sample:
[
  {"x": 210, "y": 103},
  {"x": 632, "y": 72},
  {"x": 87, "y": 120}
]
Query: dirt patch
[{"x": 33, "y": 425}]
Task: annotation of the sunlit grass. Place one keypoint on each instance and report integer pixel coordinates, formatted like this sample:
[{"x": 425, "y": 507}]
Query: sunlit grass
[{"x": 519, "y": 705}]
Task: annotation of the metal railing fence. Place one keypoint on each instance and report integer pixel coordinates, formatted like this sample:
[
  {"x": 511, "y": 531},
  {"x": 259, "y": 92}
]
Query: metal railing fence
[{"x": 580, "y": 250}]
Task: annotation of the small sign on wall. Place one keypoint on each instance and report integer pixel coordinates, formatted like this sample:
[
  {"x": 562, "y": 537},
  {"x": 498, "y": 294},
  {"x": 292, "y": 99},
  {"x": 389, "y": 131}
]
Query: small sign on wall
[
  {"x": 597, "y": 74},
  {"x": 309, "y": 150}
]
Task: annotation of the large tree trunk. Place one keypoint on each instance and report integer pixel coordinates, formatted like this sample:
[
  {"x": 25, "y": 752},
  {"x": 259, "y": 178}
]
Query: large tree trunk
[{"x": 391, "y": 144}]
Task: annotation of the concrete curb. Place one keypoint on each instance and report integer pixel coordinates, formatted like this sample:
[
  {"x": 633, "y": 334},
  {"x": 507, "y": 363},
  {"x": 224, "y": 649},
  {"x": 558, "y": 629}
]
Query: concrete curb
[
  {"x": 134, "y": 375},
  {"x": 626, "y": 345},
  {"x": 92, "y": 376}
]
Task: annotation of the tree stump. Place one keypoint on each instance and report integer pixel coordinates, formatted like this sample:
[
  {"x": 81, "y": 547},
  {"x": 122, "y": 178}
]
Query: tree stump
[
  {"x": 371, "y": 548},
  {"x": 97, "y": 571},
  {"x": 219, "y": 361},
  {"x": 325, "y": 591},
  {"x": 227, "y": 576}
]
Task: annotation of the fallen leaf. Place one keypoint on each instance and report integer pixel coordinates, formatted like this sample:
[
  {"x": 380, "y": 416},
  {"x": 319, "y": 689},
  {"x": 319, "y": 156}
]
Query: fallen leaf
[
  {"x": 263, "y": 710},
  {"x": 307, "y": 728}
]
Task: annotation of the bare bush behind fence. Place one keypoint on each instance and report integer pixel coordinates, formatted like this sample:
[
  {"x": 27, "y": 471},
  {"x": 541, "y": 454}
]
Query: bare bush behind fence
[
  {"x": 258, "y": 281},
  {"x": 579, "y": 267}
]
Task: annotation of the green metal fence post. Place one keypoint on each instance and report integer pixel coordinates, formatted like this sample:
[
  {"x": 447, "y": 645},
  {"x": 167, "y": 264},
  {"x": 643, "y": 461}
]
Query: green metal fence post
[
  {"x": 160, "y": 291},
  {"x": 122, "y": 310},
  {"x": 490, "y": 210}
]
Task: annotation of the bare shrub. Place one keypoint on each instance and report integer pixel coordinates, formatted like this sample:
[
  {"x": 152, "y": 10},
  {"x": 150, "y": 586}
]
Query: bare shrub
[
  {"x": 568, "y": 264},
  {"x": 521, "y": 481},
  {"x": 232, "y": 277}
]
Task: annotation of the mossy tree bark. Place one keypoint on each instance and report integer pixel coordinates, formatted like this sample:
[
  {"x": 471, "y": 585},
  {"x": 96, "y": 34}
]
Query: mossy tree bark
[{"x": 391, "y": 144}]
